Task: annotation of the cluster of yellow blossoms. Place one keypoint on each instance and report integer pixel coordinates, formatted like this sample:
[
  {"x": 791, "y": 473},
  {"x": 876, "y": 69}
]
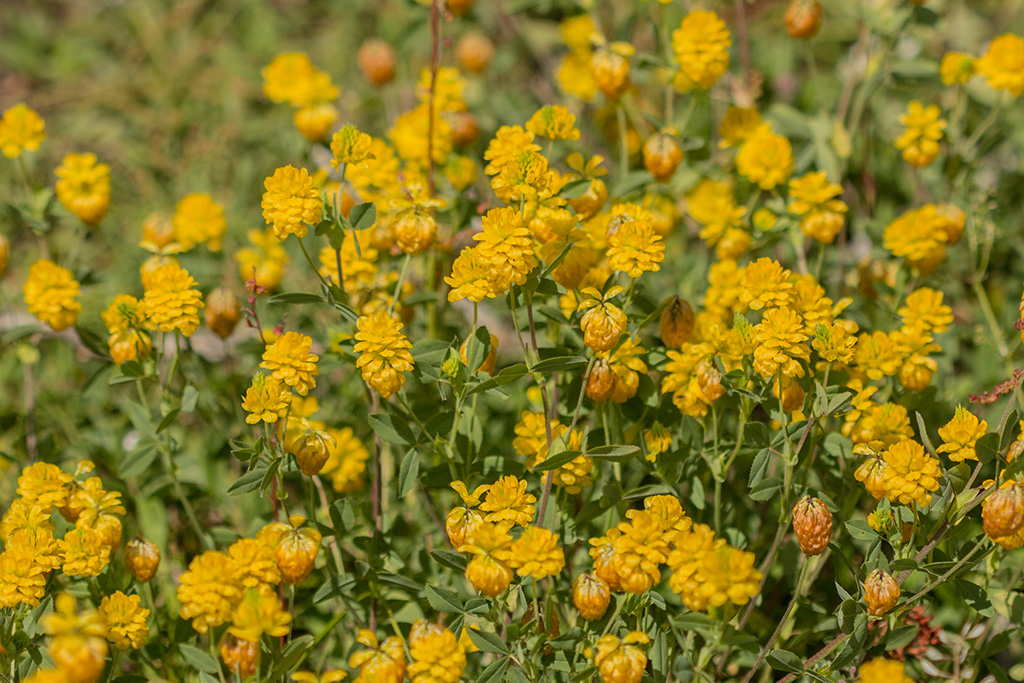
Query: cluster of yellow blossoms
[
  {"x": 706, "y": 571},
  {"x": 238, "y": 586},
  {"x": 78, "y": 642}
]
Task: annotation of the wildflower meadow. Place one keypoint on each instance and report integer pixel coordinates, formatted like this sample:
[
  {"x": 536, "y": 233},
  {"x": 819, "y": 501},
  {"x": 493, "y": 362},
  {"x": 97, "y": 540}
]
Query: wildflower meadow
[{"x": 511, "y": 340}]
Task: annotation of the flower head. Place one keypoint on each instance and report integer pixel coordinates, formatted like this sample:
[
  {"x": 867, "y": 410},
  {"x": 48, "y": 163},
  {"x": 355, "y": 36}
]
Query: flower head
[
  {"x": 383, "y": 352},
  {"x": 290, "y": 360},
  {"x": 1002, "y": 65},
  {"x": 920, "y": 141},
  {"x": 83, "y": 187},
  {"x": 350, "y": 146},
  {"x": 912, "y": 474},
  {"x": 765, "y": 158},
  {"x": 125, "y": 619},
  {"x": 291, "y": 203},
  {"x": 437, "y": 655},
  {"x": 536, "y": 553},
  {"x": 960, "y": 435},
  {"x": 172, "y": 302},
  {"x": 701, "y": 49},
  {"x": 198, "y": 219},
  {"x": 553, "y": 122},
  {"x": 21, "y": 129},
  {"x": 51, "y": 294}
]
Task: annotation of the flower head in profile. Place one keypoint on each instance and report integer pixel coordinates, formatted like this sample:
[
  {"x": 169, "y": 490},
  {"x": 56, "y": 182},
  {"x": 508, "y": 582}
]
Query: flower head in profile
[{"x": 292, "y": 362}]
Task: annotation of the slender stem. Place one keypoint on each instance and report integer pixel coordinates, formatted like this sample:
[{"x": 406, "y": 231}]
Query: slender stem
[
  {"x": 399, "y": 284},
  {"x": 620, "y": 113},
  {"x": 782, "y": 622}
]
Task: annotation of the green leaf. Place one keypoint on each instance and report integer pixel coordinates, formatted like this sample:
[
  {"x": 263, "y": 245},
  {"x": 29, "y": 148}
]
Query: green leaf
[
  {"x": 477, "y": 348},
  {"x": 342, "y": 516},
  {"x": 556, "y": 461},
  {"x": 767, "y": 488},
  {"x": 443, "y": 600},
  {"x": 139, "y": 459},
  {"x": 450, "y": 559},
  {"x": 987, "y": 448},
  {"x": 923, "y": 433},
  {"x": 756, "y": 434},
  {"x": 250, "y": 481},
  {"x": 199, "y": 659},
  {"x": 363, "y": 216},
  {"x": 759, "y": 468},
  {"x": 506, "y": 376},
  {"x": 495, "y": 672},
  {"x": 408, "y": 472},
  {"x": 189, "y": 399},
  {"x": 390, "y": 430},
  {"x": 488, "y": 642},
  {"x": 294, "y": 653},
  {"x": 574, "y": 189},
  {"x": 347, "y": 312},
  {"x": 860, "y": 530},
  {"x": 139, "y": 417},
  {"x": 288, "y": 298},
  {"x": 784, "y": 660},
  {"x": 168, "y": 420},
  {"x": 559, "y": 363},
  {"x": 614, "y": 453},
  {"x": 332, "y": 586}
]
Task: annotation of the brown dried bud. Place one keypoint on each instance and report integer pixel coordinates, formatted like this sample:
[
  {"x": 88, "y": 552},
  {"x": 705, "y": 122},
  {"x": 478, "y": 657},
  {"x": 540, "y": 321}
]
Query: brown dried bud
[
  {"x": 311, "y": 451},
  {"x": 296, "y": 552},
  {"x": 611, "y": 72},
  {"x": 377, "y": 61},
  {"x": 677, "y": 323},
  {"x": 812, "y": 524},
  {"x": 460, "y": 8},
  {"x": 591, "y": 595},
  {"x": 881, "y": 592},
  {"x": 1002, "y": 513},
  {"x": 239, "y": 655},
  {"x": 474, "y": 51},
  {"x": 709, "y": 378},
  {"x": 465, "y": 129},
  {"x": 803, "y": 19},
  {"x": 662, "y": 156},
  {"x": 591, "y": 201},
  {"x": 142, "y": 558},
  {"x": 222, "y": 312},
  {"x": 601, "y": 382}
]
